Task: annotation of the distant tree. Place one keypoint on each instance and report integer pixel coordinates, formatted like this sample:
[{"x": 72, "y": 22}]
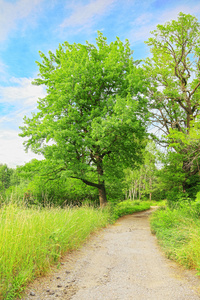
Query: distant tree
[
  {"x": 93, "y": 117},
  {"x": 174, "y": 88},
  {"x": 45, "y": 187},
  {"x": 5, "y": 177},
  {"x": 14, "y": 177},
  {"x": 143, "y": 181}
]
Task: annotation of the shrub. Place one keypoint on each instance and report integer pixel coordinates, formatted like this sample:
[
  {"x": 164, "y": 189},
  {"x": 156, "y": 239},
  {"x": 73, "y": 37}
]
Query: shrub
[{"x": 129, "y": 207}]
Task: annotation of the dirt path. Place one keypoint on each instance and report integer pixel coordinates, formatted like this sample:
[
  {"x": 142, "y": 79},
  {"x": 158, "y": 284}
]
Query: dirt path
[{"x": 120, "y": 262}]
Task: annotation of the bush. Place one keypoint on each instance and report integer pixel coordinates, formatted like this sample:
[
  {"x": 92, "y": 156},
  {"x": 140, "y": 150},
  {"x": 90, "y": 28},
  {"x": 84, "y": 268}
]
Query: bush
[{"x": 129, "y": 207}]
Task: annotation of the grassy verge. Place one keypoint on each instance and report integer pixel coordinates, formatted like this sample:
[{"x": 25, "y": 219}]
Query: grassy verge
[
  {"x": 31, "y": 240},
  {"x": 178, "y": 232}
]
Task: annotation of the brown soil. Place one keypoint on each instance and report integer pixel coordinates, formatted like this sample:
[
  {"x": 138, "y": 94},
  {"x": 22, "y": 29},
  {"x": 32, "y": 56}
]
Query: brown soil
[{"x": 120, "y": 262}]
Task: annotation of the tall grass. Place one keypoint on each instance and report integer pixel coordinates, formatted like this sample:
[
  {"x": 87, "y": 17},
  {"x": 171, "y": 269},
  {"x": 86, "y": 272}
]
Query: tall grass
[
  {"x": 178, "y": 232},
  {"x": 32, "y": 239}
]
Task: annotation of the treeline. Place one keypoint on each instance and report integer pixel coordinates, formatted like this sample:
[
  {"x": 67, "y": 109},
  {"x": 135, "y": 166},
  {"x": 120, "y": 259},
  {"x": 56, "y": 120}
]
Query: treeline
[
  {"x": 29, "y": 187},
  {"x": 159, "y": 177},
  {"x": 37, "y": 183},
  {"x": 8, "y": 177}
]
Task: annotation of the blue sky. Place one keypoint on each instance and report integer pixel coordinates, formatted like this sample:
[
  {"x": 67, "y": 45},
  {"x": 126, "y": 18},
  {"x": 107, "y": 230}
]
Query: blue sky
[{"x": 30, "y": 26}]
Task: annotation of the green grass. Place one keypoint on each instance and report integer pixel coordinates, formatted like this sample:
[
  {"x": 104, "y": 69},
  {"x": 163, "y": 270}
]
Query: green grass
[
  {"x": 33, "y": 239},
  {"x": 178, "y": 232},
  {"x": 157, "y": 203}
]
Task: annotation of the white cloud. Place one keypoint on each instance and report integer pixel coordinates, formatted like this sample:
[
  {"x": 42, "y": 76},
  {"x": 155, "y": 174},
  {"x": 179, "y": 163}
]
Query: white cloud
[
  {"x": 10, "y": 13},
  {"x": 141, "y": 34},
  {"x": 147, "y": 22},
  {"x": 173, "y": 14},
  {"x": 3, "y": 72},
  {"x": 143, "y": 19},
  {"x": 21, "y": 96},
  {"x": 12, "y": 150},
  {"x": 18, "y": 99},
  {"x": 86, "y": 14},
  {"x": 21, "y": 91}
]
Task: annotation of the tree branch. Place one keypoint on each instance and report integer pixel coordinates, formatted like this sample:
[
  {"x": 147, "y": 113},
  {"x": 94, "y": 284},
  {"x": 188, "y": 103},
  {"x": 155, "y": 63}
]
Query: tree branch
[{"x": 87, "y": 182}]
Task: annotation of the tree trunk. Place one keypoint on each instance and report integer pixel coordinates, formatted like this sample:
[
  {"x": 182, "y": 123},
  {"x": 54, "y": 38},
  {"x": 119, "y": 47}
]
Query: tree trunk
[
  {"x": 139, "y": 190},
  {"x": 150, "y": 185},
  {"x": 102, "y": 195},
  {"x": 129, "y": 195},
  {"x": 135, "y": 190},
  {"x": 134, "y": 193},
  {"x": 101, "y": 188}
]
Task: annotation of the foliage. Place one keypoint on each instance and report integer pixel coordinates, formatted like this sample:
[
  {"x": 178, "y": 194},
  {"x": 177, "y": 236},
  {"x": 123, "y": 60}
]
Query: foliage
[
  {"x": 174, "y": 88},
  {"x": 159, "y": 203},
  {"x": 174, "y": 70},
  {"x": 16, "y": 193},
  {"x": 93, "y": 116},
  {"x": 171, "y": 175},
  {"x": 8, "y": 178},
  {"x": 198, "y": 196},
  {"x": 178, "y": 232},
  {"x": 143, "y": 182},
  {"x": 171, "y": 178},
  {"x": 40, "y": 186},
  {"x": 5, "y": 177},
  {"x": 129, "y": 207}
]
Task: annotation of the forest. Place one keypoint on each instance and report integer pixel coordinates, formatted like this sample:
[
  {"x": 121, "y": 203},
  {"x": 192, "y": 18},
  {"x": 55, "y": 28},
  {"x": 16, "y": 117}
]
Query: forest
[{"x": 115, "y": 133}]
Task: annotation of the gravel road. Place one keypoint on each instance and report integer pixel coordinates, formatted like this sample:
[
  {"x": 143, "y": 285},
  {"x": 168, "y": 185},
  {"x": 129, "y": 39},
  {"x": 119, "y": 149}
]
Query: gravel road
[{"x": 120, "y": 262}]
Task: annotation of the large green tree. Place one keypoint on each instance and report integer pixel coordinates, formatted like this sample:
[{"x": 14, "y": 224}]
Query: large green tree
[
  {"x": 174, "y": 87},
  {"x": 93, "y": 116}
]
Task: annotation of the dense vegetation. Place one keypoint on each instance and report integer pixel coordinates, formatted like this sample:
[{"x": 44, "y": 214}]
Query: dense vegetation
[
  {"x": 178, "y": 231},
  {"x": 92, "y": 129}
]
